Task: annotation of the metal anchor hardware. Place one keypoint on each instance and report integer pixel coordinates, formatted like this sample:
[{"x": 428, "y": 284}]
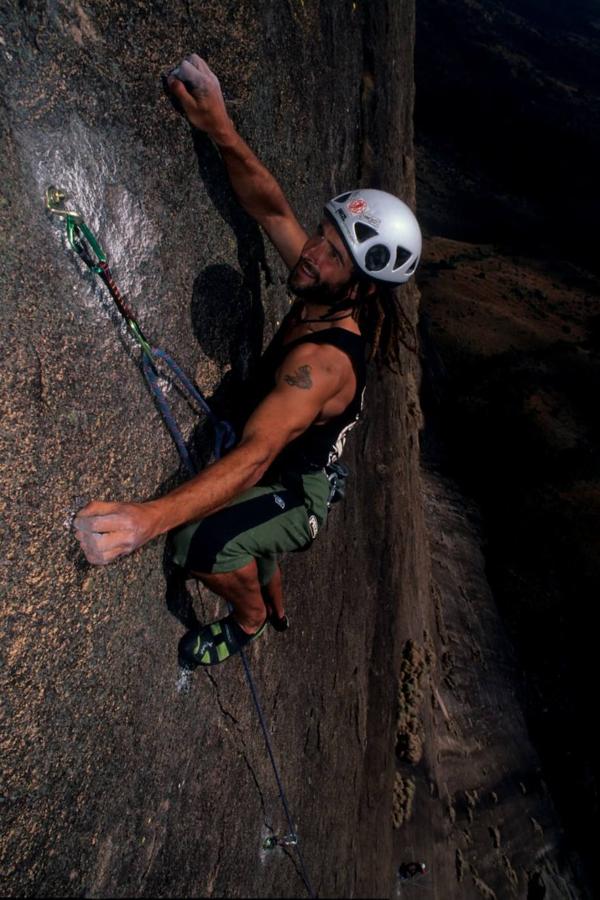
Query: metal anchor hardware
[
  {"x": 54, "y": 200},
  {"x": 287, "y": 840}
]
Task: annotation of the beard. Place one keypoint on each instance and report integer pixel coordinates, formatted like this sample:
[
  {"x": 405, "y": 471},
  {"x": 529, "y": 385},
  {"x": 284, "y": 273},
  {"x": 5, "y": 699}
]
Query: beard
[{"x": 320, "y": 292}]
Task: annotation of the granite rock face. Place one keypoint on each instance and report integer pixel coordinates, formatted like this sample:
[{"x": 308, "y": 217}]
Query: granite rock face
[
  {"x": 120, "y": 776},
  {"x": 117, "y": 780},
  {"x": 507, "y": 147}
]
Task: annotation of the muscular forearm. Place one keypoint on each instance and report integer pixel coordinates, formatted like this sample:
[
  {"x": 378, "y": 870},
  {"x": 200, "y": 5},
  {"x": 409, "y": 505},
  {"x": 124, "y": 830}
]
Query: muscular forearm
[
  {"x": 213, "y": 488},
  {"x": 109, "y": 530},
  {"x": 198, "y": 93},
  {"x": 255, "y": 187}
]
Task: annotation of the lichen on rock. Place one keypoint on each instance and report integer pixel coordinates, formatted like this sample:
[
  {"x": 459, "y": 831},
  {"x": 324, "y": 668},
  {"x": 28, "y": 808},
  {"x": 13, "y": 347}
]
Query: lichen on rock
[
  {"x": 402, "y": 802},
  {"x": 415, "y": 664}
]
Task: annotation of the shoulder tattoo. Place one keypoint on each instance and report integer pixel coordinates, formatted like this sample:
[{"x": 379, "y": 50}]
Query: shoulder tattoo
[{"x": 300, "y": 379}]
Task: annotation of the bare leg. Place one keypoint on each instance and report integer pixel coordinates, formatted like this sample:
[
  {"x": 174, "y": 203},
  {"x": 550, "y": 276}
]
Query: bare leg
[{"x": 242, "y": 589}]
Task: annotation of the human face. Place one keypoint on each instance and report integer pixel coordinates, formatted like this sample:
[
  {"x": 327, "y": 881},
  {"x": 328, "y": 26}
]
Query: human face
[{"x": 325, "y": 272}]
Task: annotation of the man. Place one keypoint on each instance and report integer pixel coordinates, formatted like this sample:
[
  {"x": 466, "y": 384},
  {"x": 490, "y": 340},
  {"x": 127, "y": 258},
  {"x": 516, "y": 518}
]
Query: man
[{"x": 270, "y": 494}]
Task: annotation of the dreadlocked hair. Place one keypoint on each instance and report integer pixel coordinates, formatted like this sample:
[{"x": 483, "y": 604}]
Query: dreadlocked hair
[{"x": 384, "y": 324}]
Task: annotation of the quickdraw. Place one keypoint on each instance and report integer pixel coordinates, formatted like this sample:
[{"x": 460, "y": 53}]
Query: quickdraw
[{"x": 83, "y": 241}]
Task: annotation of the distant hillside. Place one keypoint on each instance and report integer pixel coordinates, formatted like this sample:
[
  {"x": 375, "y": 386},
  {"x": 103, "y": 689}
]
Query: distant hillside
[
  {"x": 507, "y": 122},
  {"x": 507, "y": 152}
]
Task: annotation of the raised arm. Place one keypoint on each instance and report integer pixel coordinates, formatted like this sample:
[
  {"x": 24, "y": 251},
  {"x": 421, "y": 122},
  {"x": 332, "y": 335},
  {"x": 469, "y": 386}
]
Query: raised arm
[
  {"x": 309, "y": 377},
  {"x": 198, "y": 93}
]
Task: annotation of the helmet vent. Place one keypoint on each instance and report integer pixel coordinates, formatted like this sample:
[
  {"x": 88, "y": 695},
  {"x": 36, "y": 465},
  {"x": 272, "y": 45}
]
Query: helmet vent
[
  {"x": 402, "y": 256},
  {"x": 343, "y": 197},
  {"x": 412, "y": 268},
  {"x": 377, "y": 258},
  {"x": 364, "y": 232}
]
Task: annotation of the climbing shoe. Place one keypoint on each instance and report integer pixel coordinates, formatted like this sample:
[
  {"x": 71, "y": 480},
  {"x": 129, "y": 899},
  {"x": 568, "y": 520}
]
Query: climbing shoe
[{"x": 214, "y": 643}]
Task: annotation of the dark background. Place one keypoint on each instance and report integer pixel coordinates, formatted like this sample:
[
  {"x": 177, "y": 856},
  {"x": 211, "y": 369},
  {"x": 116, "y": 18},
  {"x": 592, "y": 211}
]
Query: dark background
[
  {"x": 507, "y": 114},
  {"x": 507, "y": 149}
]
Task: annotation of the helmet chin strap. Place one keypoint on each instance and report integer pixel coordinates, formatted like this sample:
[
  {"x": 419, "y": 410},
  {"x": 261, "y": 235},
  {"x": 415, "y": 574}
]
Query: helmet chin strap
[
  {"x": 325, "y": 318},
  {"x": 332, "y": 314},
  {"x": 346, "y": 305}
]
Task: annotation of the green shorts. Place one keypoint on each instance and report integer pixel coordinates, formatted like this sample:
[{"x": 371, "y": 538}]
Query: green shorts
[{"x": 260, "y": 524}]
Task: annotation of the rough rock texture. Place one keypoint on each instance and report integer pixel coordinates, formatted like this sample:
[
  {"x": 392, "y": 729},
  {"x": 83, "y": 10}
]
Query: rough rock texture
[
  {"x": 489, "y": 809},
  {"x": 116, "y": 782},
  {"x": 121, "y": 777},
  {"x": 511, "y": 416},
  {"x": 507, "y": 145}
]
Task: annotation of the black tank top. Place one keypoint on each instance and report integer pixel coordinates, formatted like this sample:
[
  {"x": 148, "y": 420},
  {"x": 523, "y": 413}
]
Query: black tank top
[{"x": 319, "y": 444}]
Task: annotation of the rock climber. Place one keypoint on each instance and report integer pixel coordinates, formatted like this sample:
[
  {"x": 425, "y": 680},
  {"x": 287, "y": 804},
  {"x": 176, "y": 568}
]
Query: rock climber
[{"x": 270, "y": 494}]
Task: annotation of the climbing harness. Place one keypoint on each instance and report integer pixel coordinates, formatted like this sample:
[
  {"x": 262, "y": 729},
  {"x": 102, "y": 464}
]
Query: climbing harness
[
  {"x": 337, "y": 475},
  {"x": 82, "y": 240},
  {"x": 85, "y": 244}
]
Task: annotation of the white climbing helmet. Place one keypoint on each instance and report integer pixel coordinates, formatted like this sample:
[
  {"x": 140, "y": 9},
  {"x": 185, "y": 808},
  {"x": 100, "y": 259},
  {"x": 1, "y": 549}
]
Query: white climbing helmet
[{"x": 380, "y": 231}]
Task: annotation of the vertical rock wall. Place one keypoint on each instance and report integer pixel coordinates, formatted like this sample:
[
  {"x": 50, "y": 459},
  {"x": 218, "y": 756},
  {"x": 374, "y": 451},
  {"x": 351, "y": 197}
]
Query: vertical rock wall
[{"x": 116, "y": 783}]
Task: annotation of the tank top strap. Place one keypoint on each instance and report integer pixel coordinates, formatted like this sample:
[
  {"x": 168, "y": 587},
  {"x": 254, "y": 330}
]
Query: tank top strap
[{"x": 347, "y": 341}]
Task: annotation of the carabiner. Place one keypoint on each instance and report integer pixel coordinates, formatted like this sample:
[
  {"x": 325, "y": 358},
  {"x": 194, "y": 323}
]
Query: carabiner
[
  {"x": 273, "y": 841},
  {"x": 77, "y": 231},
  {"x": 77, "y": 234}
]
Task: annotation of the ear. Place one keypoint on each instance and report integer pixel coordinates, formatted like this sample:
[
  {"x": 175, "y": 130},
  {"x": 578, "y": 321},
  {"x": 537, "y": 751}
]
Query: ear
[{"x": 367, "y": 288}]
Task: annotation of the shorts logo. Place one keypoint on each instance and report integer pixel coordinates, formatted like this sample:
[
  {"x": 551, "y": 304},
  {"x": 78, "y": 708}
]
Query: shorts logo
[
  {"x": 356, "y": 207},
  {"x": 313, "y": 525},
  {"x": 279, "y": 501}
]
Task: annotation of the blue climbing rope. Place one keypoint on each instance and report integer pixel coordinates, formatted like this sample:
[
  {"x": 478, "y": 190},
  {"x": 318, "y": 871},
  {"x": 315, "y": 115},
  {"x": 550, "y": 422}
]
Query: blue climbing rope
[
  {"x": 224, "y": 435},
  {"x": 282, "y": 796}
]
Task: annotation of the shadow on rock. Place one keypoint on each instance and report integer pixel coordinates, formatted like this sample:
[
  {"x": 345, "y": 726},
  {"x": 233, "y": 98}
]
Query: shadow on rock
[
  {"x": 177, "y": 597},
  {"x": 226, "y": 309},
  {"x": 227, "y": 302}
]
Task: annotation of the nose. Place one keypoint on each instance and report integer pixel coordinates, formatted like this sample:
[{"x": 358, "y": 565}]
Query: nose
[{"x": 314, "y": 248}]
